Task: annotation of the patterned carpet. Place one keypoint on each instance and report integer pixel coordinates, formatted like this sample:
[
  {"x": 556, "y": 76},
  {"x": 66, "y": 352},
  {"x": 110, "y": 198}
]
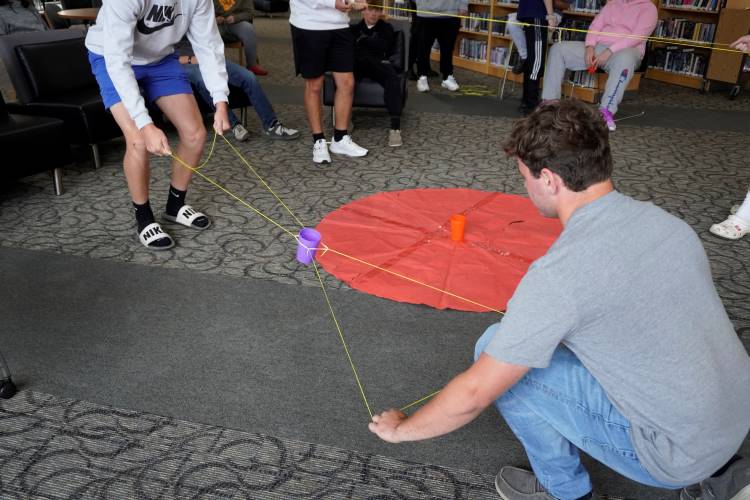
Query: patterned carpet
[{"x": 56, "y": 448}]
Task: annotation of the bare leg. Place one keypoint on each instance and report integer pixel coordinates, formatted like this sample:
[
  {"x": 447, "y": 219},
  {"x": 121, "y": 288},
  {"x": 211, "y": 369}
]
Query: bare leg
[
  {"x": 342, "y": 102},
  {"x": 313, "y": 87},
  {"x": 135, "y": 163},
  {"x": 182, "y": 111}
]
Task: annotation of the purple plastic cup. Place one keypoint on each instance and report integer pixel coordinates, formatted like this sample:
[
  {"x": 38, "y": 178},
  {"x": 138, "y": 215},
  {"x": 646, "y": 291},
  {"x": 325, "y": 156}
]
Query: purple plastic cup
[{"x": 307, "y": 244}]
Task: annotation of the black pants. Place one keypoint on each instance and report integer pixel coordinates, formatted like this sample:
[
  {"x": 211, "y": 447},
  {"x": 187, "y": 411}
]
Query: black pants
[
  {"x": 415, "y": 33},
  {"x": 445, "y": 30},
  {"x": 536, "y": 45},
  {"x": 386, "y": 76}
]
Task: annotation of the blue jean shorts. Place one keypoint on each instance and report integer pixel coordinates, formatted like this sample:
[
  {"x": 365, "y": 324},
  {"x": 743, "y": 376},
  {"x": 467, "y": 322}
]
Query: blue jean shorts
[{"x": 159, "y": 79}]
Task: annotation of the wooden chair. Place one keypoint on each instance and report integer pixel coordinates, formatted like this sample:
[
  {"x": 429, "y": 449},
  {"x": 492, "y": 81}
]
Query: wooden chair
[{"x": 240, "y": 51}]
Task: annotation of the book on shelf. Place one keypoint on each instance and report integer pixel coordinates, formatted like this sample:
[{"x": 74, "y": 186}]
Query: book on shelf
[
  {"x": 679, "y": 60},
  {"x": 473, "y": 50},
  {"x": 392, "y": 10},
  {"x": 588, "y": 6},
  {"x": 498, "y": 56},
  {"x": 583, "y": 79},
  {"x": 476, "y": 22},
  {"x": 685, "y": 29},
  {"x": 500, "y": 26},
  {"x": 707, "y": 5},
  {"x": 575, "y": 24}
]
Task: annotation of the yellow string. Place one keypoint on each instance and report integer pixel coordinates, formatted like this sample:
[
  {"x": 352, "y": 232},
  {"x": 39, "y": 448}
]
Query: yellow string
[
  {"x": 210, "y": 153},
  {"x": 670, "y": 41},
  {"x": 343, "y": 342},
  {"x": 178, "y": 159},
  {"x": 394, "y": 273},
  {"x": 242, "y": 157},
  {"x": 419, "y": 401}
]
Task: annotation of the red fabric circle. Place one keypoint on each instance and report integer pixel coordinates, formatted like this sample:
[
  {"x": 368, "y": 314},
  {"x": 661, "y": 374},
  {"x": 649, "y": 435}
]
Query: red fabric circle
[{"x": 408, "y": 232}]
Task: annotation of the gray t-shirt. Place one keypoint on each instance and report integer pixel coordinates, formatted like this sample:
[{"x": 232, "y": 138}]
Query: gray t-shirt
[{"x": 627, "y": 287}]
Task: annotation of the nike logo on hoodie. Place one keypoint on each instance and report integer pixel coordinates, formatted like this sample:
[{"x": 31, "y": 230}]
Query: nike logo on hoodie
[{"x": 163, "y": 14}]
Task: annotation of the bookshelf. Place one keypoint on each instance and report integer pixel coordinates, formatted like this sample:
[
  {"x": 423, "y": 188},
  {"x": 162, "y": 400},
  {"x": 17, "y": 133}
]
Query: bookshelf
[{"x": 691, "y": 22}]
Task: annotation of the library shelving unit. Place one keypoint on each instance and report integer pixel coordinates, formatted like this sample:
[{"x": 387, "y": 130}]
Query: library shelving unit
[
  {"x": 691, "y": 22},
  {"x": 727, "y": 67}
]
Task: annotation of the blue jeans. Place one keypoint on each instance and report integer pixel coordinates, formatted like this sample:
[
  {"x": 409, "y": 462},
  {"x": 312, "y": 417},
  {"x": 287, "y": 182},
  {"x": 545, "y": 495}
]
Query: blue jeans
[
  {"x": 554, "y": 411},
  {"x": 238, "y": 77}
]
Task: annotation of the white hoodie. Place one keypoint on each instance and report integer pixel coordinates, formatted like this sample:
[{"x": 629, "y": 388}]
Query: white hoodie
[
  {"x": 317, "y": 15},
  {"x": 139, "y": 32}
]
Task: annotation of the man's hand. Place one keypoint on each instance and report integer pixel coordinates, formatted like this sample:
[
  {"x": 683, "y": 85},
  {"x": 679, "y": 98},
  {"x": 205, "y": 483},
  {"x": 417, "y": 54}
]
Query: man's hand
[
  {"x": 385, "y": 425},
  {"x": 552, "y": 21},
  {"x": 156, "y": 141},
  {"x": 221, "y": 118},
  {"x": 230, "y": 20},
  {"x": 220, "y": 20},
  {"x": 343, "y": 5},
  {"x": 742, "y": 43},
  {"x": 590, "y": 57},
  {"x": 602, "y": 58}
]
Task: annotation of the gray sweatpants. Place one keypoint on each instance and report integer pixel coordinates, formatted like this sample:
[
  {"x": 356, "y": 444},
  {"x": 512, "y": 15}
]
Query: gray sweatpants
[{"x": 571, "y": 55}]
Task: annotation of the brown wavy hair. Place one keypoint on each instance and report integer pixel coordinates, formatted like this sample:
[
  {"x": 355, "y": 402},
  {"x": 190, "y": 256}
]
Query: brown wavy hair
[{"x": 566, "y": 137}]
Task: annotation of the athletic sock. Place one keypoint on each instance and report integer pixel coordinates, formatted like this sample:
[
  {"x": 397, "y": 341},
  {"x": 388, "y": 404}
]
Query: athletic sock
[
  {"x": 395, "y": 123},
  {"x": 744, "y": 211},
  {"x": 338, "y": 134},
  {"x": 317, "y": 137},
  {"x": 143, "y": 215},
  {"x": 175, "y": 200},
  {"x": 726, "y": 466}
]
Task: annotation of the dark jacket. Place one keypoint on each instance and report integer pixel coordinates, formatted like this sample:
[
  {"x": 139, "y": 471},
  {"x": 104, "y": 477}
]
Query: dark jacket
[
  {"x": 376, "y": 44},
  {"x": 242, "y": 10}
]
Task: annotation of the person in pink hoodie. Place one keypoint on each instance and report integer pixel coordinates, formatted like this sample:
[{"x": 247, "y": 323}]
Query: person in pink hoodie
[{"x": 616, "y": 42}]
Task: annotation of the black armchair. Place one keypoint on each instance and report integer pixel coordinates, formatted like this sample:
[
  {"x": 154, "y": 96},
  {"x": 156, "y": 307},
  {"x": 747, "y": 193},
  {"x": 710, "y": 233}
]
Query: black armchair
[
  {"x": 368, "y": 93},
  {"x": 271, "y": 7},
  {"x": 32, "y": 144},
  {"x": 52, "y": 77}
]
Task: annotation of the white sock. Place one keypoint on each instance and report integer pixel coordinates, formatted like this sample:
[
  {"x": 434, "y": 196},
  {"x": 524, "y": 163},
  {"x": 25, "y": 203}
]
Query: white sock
[{"x": 744, "y": 211}]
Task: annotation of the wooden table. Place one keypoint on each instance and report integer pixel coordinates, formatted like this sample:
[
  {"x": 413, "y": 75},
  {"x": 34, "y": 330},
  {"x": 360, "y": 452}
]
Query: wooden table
[{"x": 80, "y": 14}]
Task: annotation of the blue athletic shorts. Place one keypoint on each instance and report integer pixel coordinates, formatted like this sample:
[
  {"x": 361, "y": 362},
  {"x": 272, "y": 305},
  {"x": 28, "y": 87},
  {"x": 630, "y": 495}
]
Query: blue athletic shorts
[{"x": 159, "y": 79}]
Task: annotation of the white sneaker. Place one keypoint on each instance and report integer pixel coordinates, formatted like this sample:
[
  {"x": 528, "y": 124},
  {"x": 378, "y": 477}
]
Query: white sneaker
[
  {"x": 346, "y": 146},
  {"x": 450, "y": 84},
  {"x": 422, "y": 84},
  {"x": 320, "y": 152},
  {"x": 240, "y": 133}
]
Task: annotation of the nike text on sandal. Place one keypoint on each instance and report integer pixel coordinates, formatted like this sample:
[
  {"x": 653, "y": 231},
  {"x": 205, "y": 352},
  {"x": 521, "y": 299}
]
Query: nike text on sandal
[
  {"x": 153, "y": 237},
  {"x": 188, "y": 216}
]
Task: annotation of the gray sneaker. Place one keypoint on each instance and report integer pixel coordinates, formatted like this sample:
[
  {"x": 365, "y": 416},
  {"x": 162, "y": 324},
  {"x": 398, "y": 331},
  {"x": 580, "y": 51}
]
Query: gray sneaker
[
  {"x": 394, "y": 138},
  {"x": 240, "y": 133},
  {"x": 279, "y": 131},
  {"x": 734, "y": 484},
  {"x": 513, "y": 483}
]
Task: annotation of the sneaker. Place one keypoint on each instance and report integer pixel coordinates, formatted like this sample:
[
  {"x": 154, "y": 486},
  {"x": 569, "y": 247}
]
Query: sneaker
[
  {"x": 518, "y": 66},
  {"x": 422, "y": 84},
  {"x": 347, "y": 147},
  {"x": 513, "y": 483},
  {"x": 240, "y": 133},
  {"x": 450, "y": 84},
  {"x": 394, "y": 138},
  {"x": 258, "y": 70},
  {"x": 734, "y": 484},
  {"x": 279, "y": 131},
  {"x": 320, "y": 152},
  {"x": 608, "y": 118}
]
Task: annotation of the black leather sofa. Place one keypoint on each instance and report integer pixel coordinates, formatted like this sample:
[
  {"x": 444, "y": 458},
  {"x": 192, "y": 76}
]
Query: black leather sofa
[
  {"x": 369, "y": 93},
  {"x": 32, "y": 144},
  {"x": 52, "y": 77}
]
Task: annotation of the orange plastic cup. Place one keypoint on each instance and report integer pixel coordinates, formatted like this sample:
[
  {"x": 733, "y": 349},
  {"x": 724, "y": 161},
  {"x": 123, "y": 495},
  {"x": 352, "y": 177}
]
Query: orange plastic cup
[{"x": 458, "y": 224}]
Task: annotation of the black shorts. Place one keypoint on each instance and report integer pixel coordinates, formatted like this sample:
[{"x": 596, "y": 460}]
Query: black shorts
[{"x": 316, "y": 52}]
